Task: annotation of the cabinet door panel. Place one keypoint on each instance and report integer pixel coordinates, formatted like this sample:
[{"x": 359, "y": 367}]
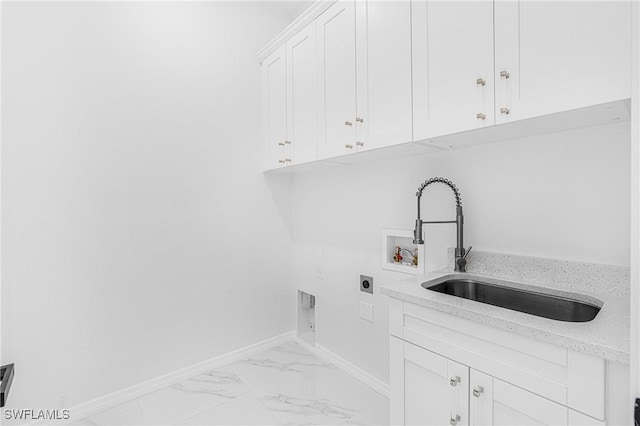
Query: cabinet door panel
[
  {"x": 302, "y": 91},
  {"x": 515, "y": 406},
  {"x": 383, "y": 31},
  {"x": 452, "y": 50},
  {"x": 579, "y": 419},
  {"x": 480, "y": 399},
  {"x": 426, "y": 387},
  {"x": 560, "y": 55},
  {"x": 337, "y": 79},
  {"x": 275, "y": 83},
  {"x": 430, "y": 398}
]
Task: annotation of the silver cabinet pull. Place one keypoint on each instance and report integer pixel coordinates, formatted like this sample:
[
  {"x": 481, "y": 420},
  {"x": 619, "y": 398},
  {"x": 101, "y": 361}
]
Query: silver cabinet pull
[
  {"x": 280, "y": 143},
  {"x": 477, "y": 391},
  {"x": 480, "y": 81},
  {"x": 505, "y": 111},
  {"x": 481, "y": 116},
  {"x": 287, "y": 142},
  {"x": 281, "y": 161},
  {"x": 348, "y": 146},
  {"x": 359, "y": 120},
  {"x": 453, "y": 421},
  {"x": 359, "y": 143},
  {"x": 454, "y": 381},
  {"x": 287, "y": 160},
  {"x": 348, "y": 123},
  {"x": 504, "y": 74}
]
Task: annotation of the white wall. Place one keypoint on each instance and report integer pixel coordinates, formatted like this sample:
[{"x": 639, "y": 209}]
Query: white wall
[
  {"x": 564, "y": 195},
  {"x": 139, "y": 235}
]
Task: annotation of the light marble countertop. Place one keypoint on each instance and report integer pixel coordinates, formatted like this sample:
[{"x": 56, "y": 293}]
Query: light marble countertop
[{"x": 606, "y": 336}]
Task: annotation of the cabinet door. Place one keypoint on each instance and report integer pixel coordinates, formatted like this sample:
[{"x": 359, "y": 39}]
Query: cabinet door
[
  {"x": 433, "y": 388},
  {"x": 301, "y": 95},
  {"x": 383, "y": 37},
  {"x": 275, "y": 84},
  {"x": 560, "y": 55},
  {"x": 515, "y": 406},
  {"x": 337, "y": 79},
  {"x": 452, "y": 66},
  {"x": 480, "y": 399}
]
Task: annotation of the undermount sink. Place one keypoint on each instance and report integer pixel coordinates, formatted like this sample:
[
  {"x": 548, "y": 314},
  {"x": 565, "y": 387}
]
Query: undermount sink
[{"x": 530, "y": 302}]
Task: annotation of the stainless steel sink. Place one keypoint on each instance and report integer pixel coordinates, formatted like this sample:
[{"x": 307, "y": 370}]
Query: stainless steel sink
[{"x": 539, "y": 304}]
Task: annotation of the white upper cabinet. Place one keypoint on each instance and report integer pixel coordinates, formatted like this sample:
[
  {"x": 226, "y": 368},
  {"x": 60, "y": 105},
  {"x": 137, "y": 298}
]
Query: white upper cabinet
[
  {"x": 337, "y": 80},
  {"x": 383, "y": 37},
  {"x": 275, "y": 104},
  {"x": 560, "y": 55},
  {"x": 302, "y": 131},
  {"x": 453, "y": 87},
  {"x": 375, "y": 73}
]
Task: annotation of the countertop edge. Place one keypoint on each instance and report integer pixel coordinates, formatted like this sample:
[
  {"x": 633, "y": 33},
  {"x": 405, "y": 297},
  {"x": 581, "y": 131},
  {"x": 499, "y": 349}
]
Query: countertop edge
[{"x": 569, "y": 342}]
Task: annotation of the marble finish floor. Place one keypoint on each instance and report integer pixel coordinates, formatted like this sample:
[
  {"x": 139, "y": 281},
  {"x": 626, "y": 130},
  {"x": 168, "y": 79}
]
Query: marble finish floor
[{"x": 285, "y": 385}]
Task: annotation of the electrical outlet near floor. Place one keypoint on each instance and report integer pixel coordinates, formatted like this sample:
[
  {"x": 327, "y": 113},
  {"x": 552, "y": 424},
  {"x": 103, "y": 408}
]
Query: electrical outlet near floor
[{"x": 366, "y": 311}]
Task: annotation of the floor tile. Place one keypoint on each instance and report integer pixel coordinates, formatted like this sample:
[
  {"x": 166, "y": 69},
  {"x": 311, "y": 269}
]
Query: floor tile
[
  {"x": 125, "y": 414},
  {"x": 294, "y": 410},
  {"x": 300, "y": 388},
  {"x": 243, "y": 410},
  {"x": 285, "y": 385},
  {"x": 194, "y": 396}
]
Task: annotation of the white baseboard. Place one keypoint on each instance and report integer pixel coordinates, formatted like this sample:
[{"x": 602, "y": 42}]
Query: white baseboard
[
  {"x": 348, "y": 367},
  {"x": 102, "y": 403}
]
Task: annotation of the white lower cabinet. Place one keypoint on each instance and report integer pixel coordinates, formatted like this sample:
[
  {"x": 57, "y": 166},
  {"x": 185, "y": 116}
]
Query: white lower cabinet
[
  {"x": 450, "y": 370},
  {"x": 435, "y": 390}
]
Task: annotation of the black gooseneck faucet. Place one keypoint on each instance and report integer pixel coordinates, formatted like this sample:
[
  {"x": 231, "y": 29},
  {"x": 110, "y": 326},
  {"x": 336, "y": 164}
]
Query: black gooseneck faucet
[{"x": 460, "y": 252}]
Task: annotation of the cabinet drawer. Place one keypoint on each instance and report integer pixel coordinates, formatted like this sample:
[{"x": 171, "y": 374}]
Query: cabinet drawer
[{"x": 574, "y": 379}]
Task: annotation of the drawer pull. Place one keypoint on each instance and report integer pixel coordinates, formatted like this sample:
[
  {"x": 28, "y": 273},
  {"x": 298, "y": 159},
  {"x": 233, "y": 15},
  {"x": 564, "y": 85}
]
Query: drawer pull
[
  {"x": 453, "y": 421},
  {"x": 454, "y": 381}
]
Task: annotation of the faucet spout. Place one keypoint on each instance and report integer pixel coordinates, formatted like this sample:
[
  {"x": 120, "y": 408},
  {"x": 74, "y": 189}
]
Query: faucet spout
[{"x": 460, "y": 252}]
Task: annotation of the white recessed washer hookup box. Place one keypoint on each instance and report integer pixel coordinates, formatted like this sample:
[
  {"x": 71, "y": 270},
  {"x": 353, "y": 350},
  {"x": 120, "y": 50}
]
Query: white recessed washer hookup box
[{"x": 399, "y": 254}]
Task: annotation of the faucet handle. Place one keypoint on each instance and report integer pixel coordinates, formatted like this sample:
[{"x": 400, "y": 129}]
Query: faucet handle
[
  {"x": 467, "y": 252},
  {"x": 461, "y": 262}
]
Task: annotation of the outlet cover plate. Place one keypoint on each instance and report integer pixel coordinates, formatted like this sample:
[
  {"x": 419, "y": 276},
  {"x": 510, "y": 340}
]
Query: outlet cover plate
[
  {"x": 366, "y": 311},
  {"x": 366, "y": 284}
]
